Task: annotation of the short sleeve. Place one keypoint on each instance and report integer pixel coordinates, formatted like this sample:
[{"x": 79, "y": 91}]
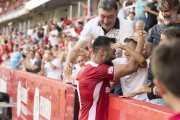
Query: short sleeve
[
  {"x": 150, "y": 34},
  {"x": 86, "y": 33},
  {"x": 38, "y": 63},
  {"x": 106, "y": 72},
  {"x": 57, "y": 63}
]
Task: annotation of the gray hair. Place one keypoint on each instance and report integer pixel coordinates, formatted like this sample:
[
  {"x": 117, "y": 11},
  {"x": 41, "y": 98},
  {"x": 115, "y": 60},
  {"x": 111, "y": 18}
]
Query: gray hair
[
  {"x": 140, "y": 22},
  {"x": 172, "y": 4},
  {"x": 108, "y": 5}
]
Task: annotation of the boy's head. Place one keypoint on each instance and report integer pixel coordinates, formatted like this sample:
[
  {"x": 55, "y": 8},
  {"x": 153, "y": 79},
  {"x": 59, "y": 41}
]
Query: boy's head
[
  {"x": 131, "y": 16},
  {"x": 165, "y": 67},
  {"x": 169, "y": 34},
  {"x": 15, "y": 47},
  {"x": 131, "y": 44}
]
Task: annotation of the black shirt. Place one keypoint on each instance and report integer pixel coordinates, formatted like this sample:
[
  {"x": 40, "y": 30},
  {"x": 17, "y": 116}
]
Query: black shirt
[
  {"x": 151, "y": 19},
  {"x": 37, "y": 63},
  {"x": 41, "y": 33}
]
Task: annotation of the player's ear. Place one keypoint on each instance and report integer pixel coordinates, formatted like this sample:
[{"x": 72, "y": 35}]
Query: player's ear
[
  {"x": 102, "y": 51},
  {"x": 160, "y": 87}
]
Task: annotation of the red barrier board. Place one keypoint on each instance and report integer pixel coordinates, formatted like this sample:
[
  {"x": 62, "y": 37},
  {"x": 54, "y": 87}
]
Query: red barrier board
[
  {"x": 36, "y": 97},
  {"x": 130, "y": 109},
  {"x": 40, "y": 98}
]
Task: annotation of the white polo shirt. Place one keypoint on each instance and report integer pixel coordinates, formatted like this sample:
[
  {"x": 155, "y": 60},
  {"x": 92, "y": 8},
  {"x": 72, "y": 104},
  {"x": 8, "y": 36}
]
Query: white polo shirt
[{"x": 121, "y": 30}]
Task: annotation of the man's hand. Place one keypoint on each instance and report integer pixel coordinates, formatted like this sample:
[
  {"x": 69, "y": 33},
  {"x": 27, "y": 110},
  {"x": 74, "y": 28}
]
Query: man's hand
[
  {"x": 68, "y": 69},
  {"x": 79, "y": 52},
  {"x": 145, "y": 89},
  {"x": 129, "y": 95},
  {"x": 117, "y": 45}
]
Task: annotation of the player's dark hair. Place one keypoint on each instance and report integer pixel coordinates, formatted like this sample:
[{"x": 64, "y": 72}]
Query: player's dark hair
[
  {"x": 134, "y": 43},
  {"x": 165, "y": 65},
  {"x": 102, "y": 42}
]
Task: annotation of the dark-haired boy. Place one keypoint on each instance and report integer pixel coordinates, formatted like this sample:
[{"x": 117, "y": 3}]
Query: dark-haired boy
[{"x": 131, "y": 83}]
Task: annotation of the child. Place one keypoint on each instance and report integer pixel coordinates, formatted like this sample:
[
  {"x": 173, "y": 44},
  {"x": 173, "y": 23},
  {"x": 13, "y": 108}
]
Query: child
[{"x": 131, "y": 83}]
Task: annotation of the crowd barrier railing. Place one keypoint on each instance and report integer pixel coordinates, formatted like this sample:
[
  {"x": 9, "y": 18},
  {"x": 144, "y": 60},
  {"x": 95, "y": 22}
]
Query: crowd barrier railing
[{"x": 40, "y": 98}]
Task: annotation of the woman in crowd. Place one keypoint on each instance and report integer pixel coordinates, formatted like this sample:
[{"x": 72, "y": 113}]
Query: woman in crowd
[
  {"x": 139, "y": 11},
  {"x": 52, "y": 66},
  {"x": 10, "y": 50}
]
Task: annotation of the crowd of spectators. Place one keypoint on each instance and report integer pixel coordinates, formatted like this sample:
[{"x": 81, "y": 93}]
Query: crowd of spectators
[{"x": 53, "y": 52}]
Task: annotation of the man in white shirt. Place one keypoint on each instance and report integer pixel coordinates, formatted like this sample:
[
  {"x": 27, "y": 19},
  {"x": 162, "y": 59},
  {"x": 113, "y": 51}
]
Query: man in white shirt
[
  {"x": 107, "y": 24},
  {"x": 53, "y": 36},
  {"x": 32, "y": 59},
  {"x": 131, "y": 83}
]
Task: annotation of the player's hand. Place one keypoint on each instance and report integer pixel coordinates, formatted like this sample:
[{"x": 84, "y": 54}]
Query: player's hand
[
  {"x": 67, "y": 69},
  {"x": 117, "y": 45},
  {"x": 145, "y": 89},
  {"x": 129, "y": 95},
  {"x": 79, "y": 52}
]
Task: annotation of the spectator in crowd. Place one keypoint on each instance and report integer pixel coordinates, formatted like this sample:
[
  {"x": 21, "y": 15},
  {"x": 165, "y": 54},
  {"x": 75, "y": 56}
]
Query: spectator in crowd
[
  {"x": 106, "y": 24},
  {"x": 36, "y": 68},
  {"x": 121, "y": 13},
  {"x": 40, "y": 33},
  {"x": 79, "y": 28},
  {"x": 56, "y": 51},
  {"x": 169, "y": 10},
  {"x": 152, "y": 12},
  {"x": 165, "y": 68},
  {"x": 131, "y": 16},
  {"x": 5, "y": 47},
  {"x": 69, "y": 40},
  {"x": 139, "y": 11},
  {"x": 10, "y": 40},
  {"x": 53, "y": 36},
  {"x": 52, "y": 66},
  {"x": 48, "y": 29},
  {"x": 41, "y": 47},
  {"x": 15, "y": 58},
  {"x": 97, "y": 73},
  {"x": 61, "y": 43},
  {"x": 36, "y": 47},
  {"x": 140, "y": 28},
  {"x": 85, "y": 7},
  {"x": 10, "y": 50},
  {"x": 133, "y": 82}
]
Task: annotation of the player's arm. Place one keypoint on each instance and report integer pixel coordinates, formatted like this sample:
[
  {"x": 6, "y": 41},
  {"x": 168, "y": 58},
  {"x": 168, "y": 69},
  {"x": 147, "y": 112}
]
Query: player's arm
[
  {"x": 132, "y": 66},
  {"x": 114, "y": 84}
]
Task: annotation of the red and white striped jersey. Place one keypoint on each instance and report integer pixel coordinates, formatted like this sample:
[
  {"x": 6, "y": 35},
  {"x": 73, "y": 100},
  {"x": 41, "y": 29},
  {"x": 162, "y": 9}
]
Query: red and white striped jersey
[{"x": 94, "y": 89}]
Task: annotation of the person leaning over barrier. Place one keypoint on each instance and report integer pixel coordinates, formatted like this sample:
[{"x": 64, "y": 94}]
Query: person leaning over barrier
[
  {"x": 94, "y": 78},
  {"x": 107, "y": 24},
  {"x": 165, "y": 68}
]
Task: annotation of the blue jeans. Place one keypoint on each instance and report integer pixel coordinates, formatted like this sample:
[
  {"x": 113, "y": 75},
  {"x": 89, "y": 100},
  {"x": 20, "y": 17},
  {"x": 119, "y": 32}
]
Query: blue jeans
[
  {"x": 142, "y": 18},
  {"x": 158, "y": 101},
  {"x": 118, "y": 90}
]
